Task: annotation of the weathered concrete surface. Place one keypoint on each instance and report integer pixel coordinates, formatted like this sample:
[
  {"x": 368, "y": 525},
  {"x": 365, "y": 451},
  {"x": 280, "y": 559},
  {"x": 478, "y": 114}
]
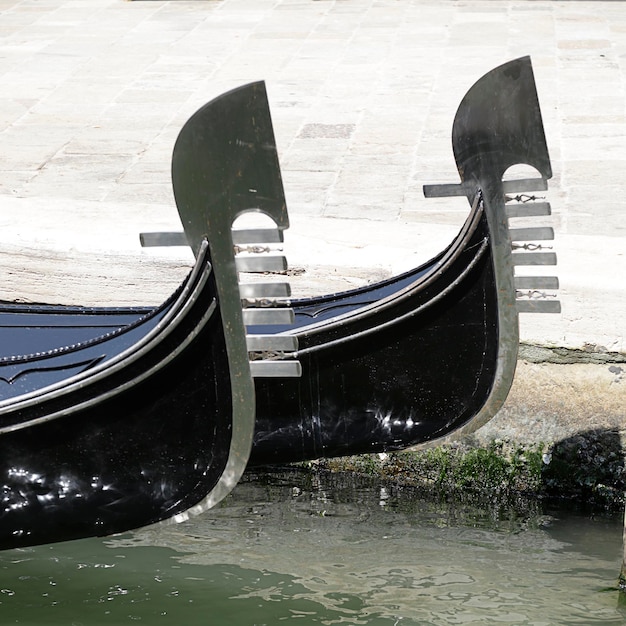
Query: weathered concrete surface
[
  {"x": 552, "y": 401},
  {"x": 363, "y": 94}
]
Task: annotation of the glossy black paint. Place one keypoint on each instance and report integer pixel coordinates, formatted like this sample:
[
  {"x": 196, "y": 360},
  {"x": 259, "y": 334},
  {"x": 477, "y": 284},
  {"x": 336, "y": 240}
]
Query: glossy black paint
[
  {"x": 404, "y": 373},
  {"x": 138, "y": 440},
  {"x": 45, "y": 345}
]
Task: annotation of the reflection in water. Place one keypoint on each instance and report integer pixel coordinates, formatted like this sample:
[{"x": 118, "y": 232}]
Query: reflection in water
[{"x": 297, "y": 547}]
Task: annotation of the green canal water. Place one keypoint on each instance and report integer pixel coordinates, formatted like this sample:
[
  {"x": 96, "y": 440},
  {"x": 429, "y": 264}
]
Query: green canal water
[{"x": 295, "y": 547}]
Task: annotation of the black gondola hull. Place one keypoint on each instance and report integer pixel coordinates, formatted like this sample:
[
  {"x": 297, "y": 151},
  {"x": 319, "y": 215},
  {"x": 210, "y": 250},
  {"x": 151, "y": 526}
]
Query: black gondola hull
[
  {"x": 143, "y": 439},
  {"x": 414, "y": 372}
]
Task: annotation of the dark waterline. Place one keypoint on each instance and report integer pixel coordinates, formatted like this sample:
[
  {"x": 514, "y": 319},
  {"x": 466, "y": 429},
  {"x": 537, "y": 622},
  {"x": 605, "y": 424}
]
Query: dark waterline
[{"x": 310, "y": 549}]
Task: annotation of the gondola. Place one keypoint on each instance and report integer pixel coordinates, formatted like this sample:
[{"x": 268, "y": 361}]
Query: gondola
[
  {"x": 424, "y": 355},
  {"x": 432, "y": 352},
  {"x": 108, "y": 425},
  {"x": 114, "y": 418}
]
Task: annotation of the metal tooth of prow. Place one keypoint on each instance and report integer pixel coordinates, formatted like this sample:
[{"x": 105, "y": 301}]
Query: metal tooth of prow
[
  {"x": 266, "y": 304},
  {"x": 162, "y": 239},
  {"x": 462, "y": 189},
  {"x": 531, "y": 294}
]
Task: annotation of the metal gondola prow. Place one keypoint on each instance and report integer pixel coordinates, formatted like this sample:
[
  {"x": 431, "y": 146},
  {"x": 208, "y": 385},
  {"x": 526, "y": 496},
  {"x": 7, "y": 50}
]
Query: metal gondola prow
[
  {"x": 498, "y": 125},
  {"x": 225, "y": 164}
]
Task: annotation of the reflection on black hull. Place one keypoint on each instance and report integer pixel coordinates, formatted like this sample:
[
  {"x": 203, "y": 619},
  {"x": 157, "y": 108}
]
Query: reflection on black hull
[
  {"x": 412, "y": 369},
  {"x": 116, "y": 432}
]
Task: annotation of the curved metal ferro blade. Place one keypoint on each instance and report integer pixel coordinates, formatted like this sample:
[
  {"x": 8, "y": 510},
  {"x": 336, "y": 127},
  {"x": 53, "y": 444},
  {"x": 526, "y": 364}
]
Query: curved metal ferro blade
[
  {"x": 224, "y": 164},
  {"x": 498, "y": 124}
]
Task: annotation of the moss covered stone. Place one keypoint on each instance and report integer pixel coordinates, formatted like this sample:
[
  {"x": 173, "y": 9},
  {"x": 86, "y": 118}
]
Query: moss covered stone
[{"x": 588, "y": 468}]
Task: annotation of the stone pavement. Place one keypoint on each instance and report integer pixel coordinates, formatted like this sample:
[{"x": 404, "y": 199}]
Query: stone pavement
[{"x": 363, "y": 95}]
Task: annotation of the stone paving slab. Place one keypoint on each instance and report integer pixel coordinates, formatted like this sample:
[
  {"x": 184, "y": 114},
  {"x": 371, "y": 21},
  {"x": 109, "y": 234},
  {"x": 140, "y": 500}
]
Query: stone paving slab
[{"x": 363, "y": 94}]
